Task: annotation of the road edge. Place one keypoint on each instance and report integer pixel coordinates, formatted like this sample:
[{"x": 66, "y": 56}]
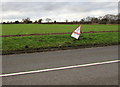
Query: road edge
[{"x": 55, "y": 49}]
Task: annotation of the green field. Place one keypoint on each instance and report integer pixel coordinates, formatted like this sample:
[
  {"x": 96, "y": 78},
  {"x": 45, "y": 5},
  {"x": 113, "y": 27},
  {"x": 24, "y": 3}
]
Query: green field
[
  {"x": 15, "y": 29},
  {"x": 48, "y": 42}
]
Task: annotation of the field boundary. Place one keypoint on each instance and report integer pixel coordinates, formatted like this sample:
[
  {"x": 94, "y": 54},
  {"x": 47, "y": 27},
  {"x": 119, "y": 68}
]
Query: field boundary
[
  {"x": 52, "y": 34},
  {"x": 11, "y": 52}
]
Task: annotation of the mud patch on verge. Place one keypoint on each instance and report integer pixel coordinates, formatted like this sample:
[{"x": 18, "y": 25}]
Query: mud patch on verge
[{"x": 52, "y": 34}]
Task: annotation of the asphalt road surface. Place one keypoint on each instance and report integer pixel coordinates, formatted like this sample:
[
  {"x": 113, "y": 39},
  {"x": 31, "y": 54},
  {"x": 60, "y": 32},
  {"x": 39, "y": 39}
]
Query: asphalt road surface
[{"x": 104, "y": 74}]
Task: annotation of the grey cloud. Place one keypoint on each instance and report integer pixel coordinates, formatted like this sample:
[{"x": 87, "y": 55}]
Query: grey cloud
[
  {"x": 53, "y": 9},
  {"x": 60, "y": 1}
]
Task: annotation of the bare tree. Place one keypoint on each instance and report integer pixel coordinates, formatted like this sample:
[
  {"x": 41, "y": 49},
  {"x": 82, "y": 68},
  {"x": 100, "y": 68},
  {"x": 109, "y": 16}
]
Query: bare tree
[
  {"x": 94, "y": 20},
  {"x": 26, "y": 21},
  {"x": 48, "y": 20},
  {"x": 88, "y": 19}
]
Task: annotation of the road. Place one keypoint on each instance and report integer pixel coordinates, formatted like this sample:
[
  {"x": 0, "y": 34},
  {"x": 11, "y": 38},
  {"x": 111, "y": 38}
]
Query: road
[{"x": 105, "y": 74}]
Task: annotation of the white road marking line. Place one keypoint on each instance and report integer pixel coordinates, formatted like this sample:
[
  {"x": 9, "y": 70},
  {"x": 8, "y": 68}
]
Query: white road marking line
[{"x": 60, "y": 68}]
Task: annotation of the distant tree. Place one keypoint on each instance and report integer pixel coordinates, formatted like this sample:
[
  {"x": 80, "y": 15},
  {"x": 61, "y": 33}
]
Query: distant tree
[
  {"x": 82, "y": 20},
  {"x": 104, "y": 21},
  {"x": 4, "y": 23},
  {"x": 110, "y": 18},
  {"x": 94, "y": 20},
  {"x": 76, "y": 21},
  {"x": 11, "y": 22},
  {"x": 48, "y": 20},
  {"x": 118, "y": 19},
  {"x": 8, "y": 22},
  {"x": 29, "y": 22},
  {"x": 36, "y": 22},
  {"x": 26, "y": 21},
  {"x": 40, "y": 21},
  {"x": 88, "y": 19},
  {"x": 66, "y": 20},
  {"x": 54, "y": 21},
  {"x": 17, "y": 22}
]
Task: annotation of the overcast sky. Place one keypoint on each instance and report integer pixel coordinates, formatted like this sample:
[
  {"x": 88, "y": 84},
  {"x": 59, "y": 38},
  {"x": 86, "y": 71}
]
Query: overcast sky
[{"x": 59, "y": 11}]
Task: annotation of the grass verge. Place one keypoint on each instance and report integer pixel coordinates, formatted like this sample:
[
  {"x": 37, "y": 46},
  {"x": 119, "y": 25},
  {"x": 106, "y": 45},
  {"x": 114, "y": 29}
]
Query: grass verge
[{"x": 12, "y": 45}]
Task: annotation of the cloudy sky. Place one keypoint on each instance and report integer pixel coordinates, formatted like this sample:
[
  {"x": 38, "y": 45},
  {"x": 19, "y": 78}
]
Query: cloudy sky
[{"x": 59, "y": 11}]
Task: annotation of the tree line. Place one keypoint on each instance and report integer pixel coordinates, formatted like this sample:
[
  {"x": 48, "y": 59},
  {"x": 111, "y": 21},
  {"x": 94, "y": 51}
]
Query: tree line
[{"x": 107, "y": 19}]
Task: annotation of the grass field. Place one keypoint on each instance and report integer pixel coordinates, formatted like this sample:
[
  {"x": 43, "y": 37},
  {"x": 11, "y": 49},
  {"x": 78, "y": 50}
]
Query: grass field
[
  {"x": 57, "y": 41},
  {"x": 33, "y": 43},
  {"x": 15, "y": 29}
]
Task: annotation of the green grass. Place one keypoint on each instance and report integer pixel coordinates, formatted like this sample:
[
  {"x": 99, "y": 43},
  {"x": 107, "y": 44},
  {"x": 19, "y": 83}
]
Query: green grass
[
  {"x": 58, "y": 41},
  {"x": 11, "y": 44},
  {"x": 14, "y": 29}
]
